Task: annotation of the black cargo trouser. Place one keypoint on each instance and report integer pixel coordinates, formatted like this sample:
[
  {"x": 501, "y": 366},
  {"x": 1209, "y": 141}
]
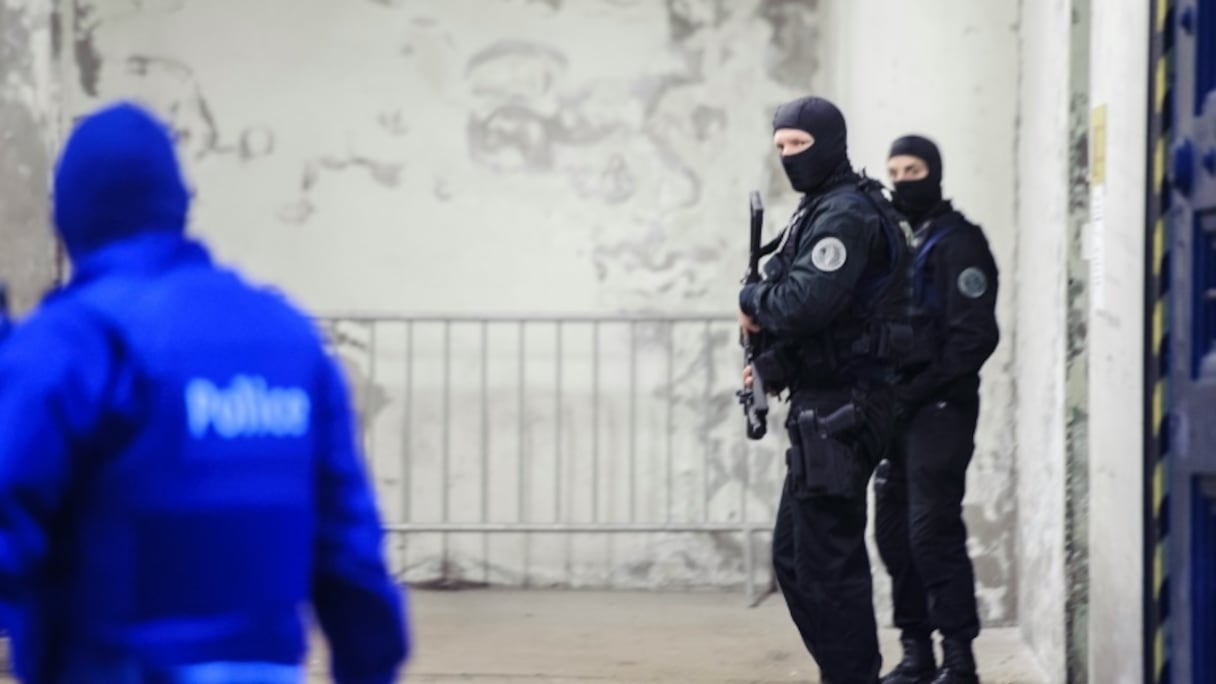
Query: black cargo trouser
[
  {"x": 820, "y": 558},
  {"x": 919, "y": 526}
]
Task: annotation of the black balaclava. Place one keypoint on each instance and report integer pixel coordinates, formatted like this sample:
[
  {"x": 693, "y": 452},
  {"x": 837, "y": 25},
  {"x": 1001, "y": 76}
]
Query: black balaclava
[
  {"x": 811, "y": 168},
  {"x": 916, "y": 198}
]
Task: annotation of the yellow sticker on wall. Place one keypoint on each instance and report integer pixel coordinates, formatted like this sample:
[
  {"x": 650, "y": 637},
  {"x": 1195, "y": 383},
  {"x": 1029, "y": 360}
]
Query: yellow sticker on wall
[{"x": 1097, "y": 146}]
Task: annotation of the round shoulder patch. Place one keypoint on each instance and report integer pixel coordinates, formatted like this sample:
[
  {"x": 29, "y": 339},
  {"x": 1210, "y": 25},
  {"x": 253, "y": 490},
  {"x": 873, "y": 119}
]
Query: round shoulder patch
[
  {"x": 829, "y": 254},
  {"x": 972, "y": 283}
]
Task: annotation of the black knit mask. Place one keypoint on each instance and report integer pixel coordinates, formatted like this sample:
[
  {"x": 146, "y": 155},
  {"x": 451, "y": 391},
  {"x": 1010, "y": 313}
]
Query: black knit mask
[{"x": 810, "y": 168}]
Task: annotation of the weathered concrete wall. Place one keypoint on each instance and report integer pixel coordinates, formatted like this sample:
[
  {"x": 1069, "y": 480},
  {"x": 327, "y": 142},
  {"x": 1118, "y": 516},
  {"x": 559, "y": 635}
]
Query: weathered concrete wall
[
  {"x": 972, "y": 115},
  {"x": 442, "y": 151},
  {"x": 1044, "y": 215},
  {"x": 1117, "y": 240},
  {"x": 585, "y": 156},
  {"x": 1076, "y": 354},
  {"x": 28, "y": 121},
  {"x": 386, "y": 156},
  {"x": 373, "y": 155}
]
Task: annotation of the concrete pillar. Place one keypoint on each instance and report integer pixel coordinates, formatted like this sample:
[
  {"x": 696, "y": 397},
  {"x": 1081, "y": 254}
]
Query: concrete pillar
[
  {"x": 1042, "y": 203},
  {"x": 1076, "y": 354},
  {"x": 28, "y": 116},
  {"x": 1117, "y": 242}
]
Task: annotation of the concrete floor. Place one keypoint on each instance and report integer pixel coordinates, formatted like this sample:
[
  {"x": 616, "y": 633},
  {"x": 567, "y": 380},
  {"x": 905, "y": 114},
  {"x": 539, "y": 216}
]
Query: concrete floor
[
  {"x": 555, "y": 636},
  {"x": 575, "y": 636}
]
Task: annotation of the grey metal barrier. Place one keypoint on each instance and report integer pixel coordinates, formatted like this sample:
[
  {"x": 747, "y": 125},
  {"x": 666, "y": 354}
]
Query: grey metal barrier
[{"x": 559, "y": 425}]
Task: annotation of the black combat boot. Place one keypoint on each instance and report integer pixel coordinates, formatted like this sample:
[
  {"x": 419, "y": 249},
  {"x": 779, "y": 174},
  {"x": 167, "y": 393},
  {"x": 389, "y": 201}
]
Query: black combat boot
[
  {"x": 918, "y": 665},
  {"x": 958, "y": 664}
]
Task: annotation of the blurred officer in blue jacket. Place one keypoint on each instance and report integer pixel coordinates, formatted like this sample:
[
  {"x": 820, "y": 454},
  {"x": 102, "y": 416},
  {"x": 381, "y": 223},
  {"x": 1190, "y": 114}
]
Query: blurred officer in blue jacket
[{"x": 179, "y": 480}]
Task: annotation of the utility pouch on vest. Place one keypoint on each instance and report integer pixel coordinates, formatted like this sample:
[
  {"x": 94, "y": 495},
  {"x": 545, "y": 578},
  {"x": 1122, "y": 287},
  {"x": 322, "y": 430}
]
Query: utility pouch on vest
[
  {"x": 796, "y": 463},
  {"x": 896, "y": 342},
  {"x": 832, "y": 465}
]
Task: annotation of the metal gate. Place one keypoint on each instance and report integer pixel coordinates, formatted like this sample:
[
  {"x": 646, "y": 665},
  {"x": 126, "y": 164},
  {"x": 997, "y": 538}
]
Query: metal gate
[
  {"x": 1187, "y": 520},
  {"x": 543, "y": 430}
]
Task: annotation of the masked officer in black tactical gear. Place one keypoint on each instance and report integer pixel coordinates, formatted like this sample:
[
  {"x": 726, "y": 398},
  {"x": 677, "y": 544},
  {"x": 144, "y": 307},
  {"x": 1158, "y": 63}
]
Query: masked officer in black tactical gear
[
  {"x": 919, "y": 490},
  {"x": 831, "y": 303}
]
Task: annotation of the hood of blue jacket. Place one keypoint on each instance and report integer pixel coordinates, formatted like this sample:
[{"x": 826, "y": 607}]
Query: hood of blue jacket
[{"x": 118, "y": 177}]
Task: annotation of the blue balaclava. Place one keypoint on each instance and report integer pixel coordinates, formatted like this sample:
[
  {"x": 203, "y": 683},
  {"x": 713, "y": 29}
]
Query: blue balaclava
[{"x": 118, "y": 176}]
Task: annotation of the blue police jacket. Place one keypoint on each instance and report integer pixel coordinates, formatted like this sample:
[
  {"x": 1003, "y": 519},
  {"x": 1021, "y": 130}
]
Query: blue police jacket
[{"x": 179, "y": 478}]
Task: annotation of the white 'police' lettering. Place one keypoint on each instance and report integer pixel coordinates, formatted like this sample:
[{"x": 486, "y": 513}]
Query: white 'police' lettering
[{"x": 247, "y": 407}]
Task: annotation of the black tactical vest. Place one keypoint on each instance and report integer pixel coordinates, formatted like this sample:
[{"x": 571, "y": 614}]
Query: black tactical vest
[{"x": 871, "y": 338}]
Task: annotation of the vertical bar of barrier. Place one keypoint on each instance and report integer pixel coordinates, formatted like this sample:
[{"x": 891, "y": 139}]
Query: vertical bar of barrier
[
  {"x": 633, "y": 420},
  {"x": 444, "y": 494},
  {"x": 522, "y": 399},
  {"x": 669, "y": 390},
  {"x": 557, "y": 442},
  {"x": 407, "y": 455},
  {"x": 707, "y": 425},
  {"x": 485, "y": 447}
]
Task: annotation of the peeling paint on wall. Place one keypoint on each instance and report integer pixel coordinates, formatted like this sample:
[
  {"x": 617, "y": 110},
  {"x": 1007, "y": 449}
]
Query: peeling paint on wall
[{"x": 794, "y": 55}]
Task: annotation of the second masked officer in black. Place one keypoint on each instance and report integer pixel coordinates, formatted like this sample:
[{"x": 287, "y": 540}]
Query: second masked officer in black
[
  {"x": 833, "y": 301},
  {"x": 919, "y": 491}
]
